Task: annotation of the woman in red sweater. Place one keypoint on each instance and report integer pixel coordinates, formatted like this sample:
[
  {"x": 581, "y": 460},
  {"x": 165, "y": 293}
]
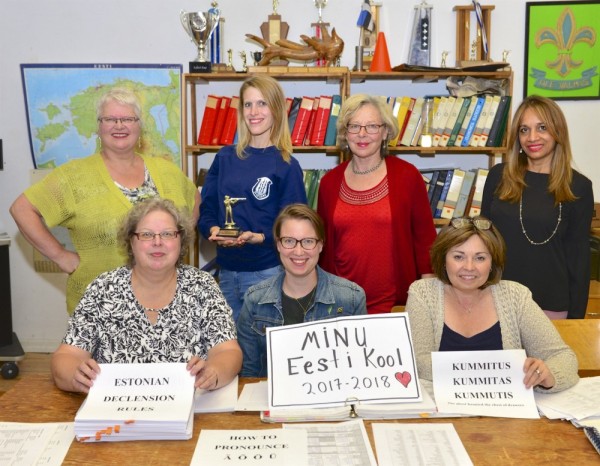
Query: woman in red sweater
[{"x": 378, "y": 221}]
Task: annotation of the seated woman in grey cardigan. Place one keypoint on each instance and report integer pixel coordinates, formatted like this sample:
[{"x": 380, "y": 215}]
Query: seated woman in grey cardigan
[
  {"x": 302, "y": 292},
  {"x": 467, "y": 307}
]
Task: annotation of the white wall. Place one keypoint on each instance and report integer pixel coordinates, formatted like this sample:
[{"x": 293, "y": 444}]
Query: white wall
[{"x": 149, "y": 31}]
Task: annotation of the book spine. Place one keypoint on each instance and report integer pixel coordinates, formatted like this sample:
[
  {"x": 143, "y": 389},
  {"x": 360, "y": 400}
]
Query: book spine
[
  {"x": 458, "y": 103},
  {"x": 331, "y": 133},
  {"x": 411, "y": 127},
  {"x": 463, "y": 197},
  {"x": 471, "y": 127},
  {"x": 443, "y": 194},
  {"x": 499, "y": 124},
  {"x": 220, "y": 120},
  {"x": 318, "y": 136},
  {"x": 444, "y": 109},
  {"x": 208, "y": 120},
  {"x": 459, "y": 119},
  {"x": 230, "y": 126},
  {"x": 453, "y": 193},
  {"x": 411, "y": 105},
  {"x": 437, "y": 190},
  {"x": 301, "y": 124},
  {"x": 481, "y": 121},
  {"x": 478, "y": 194},
  {"x": 489, "y": 121},
  {"x": 311, "y": 121},
  {"x": 294, "y": 112}
]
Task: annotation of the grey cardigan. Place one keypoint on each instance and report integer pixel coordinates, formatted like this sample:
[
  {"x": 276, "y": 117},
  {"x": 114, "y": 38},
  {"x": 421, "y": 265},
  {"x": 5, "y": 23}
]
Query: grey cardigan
[{"x": 522, "y": 322}]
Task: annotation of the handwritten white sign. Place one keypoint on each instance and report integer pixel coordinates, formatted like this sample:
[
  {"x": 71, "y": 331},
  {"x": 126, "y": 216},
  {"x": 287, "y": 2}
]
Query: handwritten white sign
[
  {"x": 483, "y": 383},
  {"x": 356, "y": 359}
]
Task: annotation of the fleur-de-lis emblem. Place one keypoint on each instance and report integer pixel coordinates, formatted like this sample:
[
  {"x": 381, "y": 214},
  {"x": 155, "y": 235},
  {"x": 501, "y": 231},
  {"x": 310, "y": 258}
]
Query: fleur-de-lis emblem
[{"x": 564, "y": 37}]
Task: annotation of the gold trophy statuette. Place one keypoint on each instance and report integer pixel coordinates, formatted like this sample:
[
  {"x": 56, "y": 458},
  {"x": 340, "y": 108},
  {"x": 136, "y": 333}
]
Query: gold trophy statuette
[{"x": 230, "y": 230}]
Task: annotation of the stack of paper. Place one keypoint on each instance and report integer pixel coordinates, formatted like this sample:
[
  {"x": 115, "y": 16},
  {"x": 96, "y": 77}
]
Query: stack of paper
[
  {"x": 578, "y": 404},
  {"x": 138, "y": 402}
]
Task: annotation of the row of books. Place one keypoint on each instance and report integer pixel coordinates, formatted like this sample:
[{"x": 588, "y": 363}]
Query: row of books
[
  {"x": 312, "y": 120},
  {"x": 448, "y": 121},
  {"x": 219, "y": 121},
  {"x": 454, "y": 192}
]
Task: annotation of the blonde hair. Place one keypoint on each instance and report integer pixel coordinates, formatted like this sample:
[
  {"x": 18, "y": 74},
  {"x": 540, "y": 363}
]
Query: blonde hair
[
  {"x": 351, "y": 106},
  {"x": 123, "y": 96},
  {"x": 512, "y": 184},
  {"x": 275, "y": 99}
]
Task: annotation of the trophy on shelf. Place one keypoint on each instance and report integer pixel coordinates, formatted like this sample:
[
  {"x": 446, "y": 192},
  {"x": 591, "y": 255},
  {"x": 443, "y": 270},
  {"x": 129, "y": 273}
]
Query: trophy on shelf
[
  {"x": 199, "y": 26},
  {"x": 275, "y": 29},
  {"x": 473, "y": 43},
  {"x": 230, "y": 230},
  {"x": 320, "y": 4}
]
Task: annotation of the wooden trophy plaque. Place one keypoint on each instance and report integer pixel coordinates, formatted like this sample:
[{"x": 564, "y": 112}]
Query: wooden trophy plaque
[
  {"x": 273, "y": 30},
  {"x": 472, "y": 37}
]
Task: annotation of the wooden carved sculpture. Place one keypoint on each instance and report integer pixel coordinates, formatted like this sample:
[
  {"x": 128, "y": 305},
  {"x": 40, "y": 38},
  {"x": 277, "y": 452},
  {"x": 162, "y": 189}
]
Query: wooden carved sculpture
[{"x": 327, "y": 48}]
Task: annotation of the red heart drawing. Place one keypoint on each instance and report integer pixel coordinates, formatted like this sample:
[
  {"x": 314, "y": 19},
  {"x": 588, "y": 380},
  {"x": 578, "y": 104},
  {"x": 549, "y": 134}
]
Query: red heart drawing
[{"x": 404, "y": 378}]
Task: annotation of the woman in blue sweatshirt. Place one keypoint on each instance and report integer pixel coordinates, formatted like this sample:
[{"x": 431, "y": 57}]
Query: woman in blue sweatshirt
[{"x": 262, "y": 174}]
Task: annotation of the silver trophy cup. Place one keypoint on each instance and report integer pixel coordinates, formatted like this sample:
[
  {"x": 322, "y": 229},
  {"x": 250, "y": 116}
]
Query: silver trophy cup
[{"x": 199, "y": 26}]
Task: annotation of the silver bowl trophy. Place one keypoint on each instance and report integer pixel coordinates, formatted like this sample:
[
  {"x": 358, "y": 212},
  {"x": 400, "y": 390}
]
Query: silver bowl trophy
[{"x": 199, "y": 26}]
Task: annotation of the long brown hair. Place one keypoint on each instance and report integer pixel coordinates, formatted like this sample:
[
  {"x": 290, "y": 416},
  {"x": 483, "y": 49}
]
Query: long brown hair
[
  {"x": 512, "y": 183},
  {"x": 275, "y": 98}
]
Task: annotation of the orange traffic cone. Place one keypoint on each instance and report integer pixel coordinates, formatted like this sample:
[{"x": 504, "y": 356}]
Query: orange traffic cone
[{"x": 381, "y": 58}]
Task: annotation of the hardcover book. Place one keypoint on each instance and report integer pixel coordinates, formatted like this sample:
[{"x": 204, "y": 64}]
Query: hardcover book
[
  {"x": 209, "y": 119},
  {"x": 230, "y": 126},
  {"x": 220, "y": 120},
  {"x": 331, "y": 133},
  {"x": 301, "y": 125},
  {"x": 320, "y": 129}
]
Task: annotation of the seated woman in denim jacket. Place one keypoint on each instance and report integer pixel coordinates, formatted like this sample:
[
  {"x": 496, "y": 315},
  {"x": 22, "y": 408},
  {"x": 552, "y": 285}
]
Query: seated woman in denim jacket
[{"x": 303, "y": 292}]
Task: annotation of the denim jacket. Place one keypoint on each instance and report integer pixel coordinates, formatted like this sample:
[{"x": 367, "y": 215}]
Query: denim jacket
[{"x": 335, "y": 297}]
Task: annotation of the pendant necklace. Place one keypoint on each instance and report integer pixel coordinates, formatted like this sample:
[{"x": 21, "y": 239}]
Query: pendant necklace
[
  {"x": 535, "y": 243},
  {"x": 309, "y": 302},
  {"x": 365, "y": 172},
  {"x": 469, "y": 309}
]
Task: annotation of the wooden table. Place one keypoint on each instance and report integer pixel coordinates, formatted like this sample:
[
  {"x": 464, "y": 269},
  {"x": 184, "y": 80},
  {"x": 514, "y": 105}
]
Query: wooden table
[
  {"x": 583, "y": 336},
  {"x": 489, "y": 441}
]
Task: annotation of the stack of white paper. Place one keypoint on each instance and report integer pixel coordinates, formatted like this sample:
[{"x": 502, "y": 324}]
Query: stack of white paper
[
  {"x": 578, "y": 404},
  {"x": 138, "y": 402}
]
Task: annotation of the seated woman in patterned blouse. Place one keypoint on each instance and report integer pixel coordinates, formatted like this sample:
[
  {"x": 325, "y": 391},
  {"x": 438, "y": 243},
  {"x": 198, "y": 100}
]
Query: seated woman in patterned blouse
[{"x": 155, "y": 309}]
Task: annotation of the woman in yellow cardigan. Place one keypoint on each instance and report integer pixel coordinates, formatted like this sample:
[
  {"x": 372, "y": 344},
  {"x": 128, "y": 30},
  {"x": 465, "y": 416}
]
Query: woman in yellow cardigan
[{"x": 92, "y": 195}]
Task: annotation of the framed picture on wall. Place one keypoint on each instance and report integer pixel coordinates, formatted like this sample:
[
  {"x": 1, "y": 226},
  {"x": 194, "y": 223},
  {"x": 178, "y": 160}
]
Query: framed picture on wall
[{"x": 562, "y": 51}]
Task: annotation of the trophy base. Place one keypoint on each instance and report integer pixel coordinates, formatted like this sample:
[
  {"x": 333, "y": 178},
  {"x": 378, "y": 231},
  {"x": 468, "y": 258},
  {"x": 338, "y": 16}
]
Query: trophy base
[
  {"x": 229, "y": 232},
  {"x": 200, "y": 67}
]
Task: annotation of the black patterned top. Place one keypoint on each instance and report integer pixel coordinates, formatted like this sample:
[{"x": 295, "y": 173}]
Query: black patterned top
[{"x": 110, "y": 323}]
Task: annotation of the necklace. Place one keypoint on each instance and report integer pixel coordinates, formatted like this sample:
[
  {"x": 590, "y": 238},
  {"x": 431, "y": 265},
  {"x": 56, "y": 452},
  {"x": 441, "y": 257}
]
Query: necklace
[
  {"x": 469, "y": 309},
  {"x": 149, "y": 309},
  {"x": 534, "y": 243},
  {"x": 309, "y": 301},
  {"x": 364, "y": 172}
]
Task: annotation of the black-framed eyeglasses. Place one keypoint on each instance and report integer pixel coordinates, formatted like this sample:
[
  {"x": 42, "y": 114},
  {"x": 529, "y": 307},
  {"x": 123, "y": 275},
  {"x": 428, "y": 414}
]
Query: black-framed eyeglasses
[
  {"x": 478, "y": 222},
  {"x": 150, "y": 235},
  {"x": 370, "y": 129},
  {"x": 290, "y": 243},
  {"x": 111, "y": 121}
]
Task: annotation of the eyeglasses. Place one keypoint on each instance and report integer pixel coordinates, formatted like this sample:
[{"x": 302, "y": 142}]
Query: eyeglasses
[
  {"x": 370, "y": 129},
  {"x": 290, "y": 243},
  {"x": 111, "y": 121},
  {"x": 164, "y": 235},
  {"x": 478, "y": 222}
]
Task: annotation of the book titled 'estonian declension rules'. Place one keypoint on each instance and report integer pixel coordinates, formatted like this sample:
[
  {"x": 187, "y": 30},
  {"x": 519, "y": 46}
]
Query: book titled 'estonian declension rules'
[{"x": 138, "y": 402}]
